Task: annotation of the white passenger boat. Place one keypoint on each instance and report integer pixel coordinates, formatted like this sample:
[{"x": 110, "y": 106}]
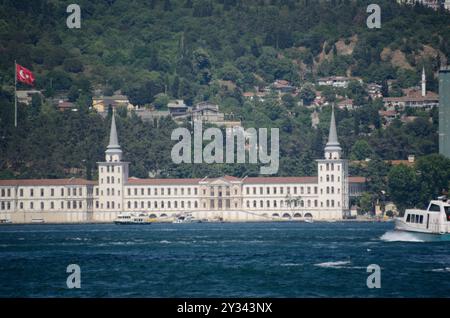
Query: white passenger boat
[
  {"x": 432, "y": 222},
  {"x": 133, "y": 218}
]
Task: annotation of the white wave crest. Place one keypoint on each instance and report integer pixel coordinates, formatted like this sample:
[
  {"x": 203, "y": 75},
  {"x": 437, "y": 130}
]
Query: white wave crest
[
  {"x": 336, "y": 264},
  {"x": 399, "y": 236}
]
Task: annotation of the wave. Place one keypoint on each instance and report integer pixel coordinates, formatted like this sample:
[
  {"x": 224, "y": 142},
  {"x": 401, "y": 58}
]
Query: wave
[
  {"x": 398, "y": 236},
  {"x": 291, "y": 264},
  {"x": 336, "y": 264},
  {"x": 441, "y": 270}
]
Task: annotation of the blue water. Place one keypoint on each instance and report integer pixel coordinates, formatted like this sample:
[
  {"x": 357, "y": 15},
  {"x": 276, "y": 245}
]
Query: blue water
[{"x": 220, "y": 260}]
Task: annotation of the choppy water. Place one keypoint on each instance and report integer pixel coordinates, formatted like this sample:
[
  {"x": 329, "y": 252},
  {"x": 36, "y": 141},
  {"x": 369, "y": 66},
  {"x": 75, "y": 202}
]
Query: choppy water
[{"x": 220, "y": 260}]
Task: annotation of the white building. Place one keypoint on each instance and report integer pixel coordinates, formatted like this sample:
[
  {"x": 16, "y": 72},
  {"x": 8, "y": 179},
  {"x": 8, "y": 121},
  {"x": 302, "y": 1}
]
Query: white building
[
  {"x": 337, "y": 81},
  {"x": 227, "y": 198}
]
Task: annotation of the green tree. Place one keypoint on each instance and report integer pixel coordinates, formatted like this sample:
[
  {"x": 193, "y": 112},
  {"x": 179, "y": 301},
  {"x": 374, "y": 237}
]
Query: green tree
[
  {"x": 403, "y": 187},
  {"x": 361, "y": 150},
  {"x": 307, "y": 94}
]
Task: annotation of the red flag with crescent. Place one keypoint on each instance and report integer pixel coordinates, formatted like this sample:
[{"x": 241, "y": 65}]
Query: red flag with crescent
[{"x": 24, "y": 75}]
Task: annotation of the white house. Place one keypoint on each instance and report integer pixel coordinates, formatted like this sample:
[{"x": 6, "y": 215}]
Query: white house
[{"x": 325, "y": 196}]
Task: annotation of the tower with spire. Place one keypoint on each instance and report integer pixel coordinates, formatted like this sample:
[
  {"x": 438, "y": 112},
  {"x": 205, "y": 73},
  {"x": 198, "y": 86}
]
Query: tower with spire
[
  {"x": 424, "y": 83},
  {"x": 112, "y": 175},
  {"x": 333, "y": 176}
]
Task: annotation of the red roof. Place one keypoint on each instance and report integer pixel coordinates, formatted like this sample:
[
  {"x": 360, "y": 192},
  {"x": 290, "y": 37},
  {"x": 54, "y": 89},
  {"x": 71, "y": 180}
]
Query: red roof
[
  {"x": 357, "y": 179},
  {"x": 150, "y": 181},
  {"x": 45, "y": 182},
  {"x": 262, "y": 180}
]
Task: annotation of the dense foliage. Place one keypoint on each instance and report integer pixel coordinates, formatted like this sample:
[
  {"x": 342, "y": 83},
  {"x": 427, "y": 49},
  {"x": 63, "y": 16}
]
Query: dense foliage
[{"x": 210, "y": 50}]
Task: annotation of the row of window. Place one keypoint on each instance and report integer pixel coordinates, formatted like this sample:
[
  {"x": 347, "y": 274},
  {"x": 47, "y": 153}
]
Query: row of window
[
  {"x": 162, "y": 204},
  {"x": 110, "y": 180},
  {"x": 281, "y": 190},
  {"x": 69, "y": 205},
  {"x": 293, "y": 203},
  {"x": 330, "y": 178},
  {"x": 414, "y": 218},
  {"x": 41, "y": 191},
  {"x": 329, "y": 166},
  {"x": 162, "y": 191},
  {"x": 110, "y": 169}
]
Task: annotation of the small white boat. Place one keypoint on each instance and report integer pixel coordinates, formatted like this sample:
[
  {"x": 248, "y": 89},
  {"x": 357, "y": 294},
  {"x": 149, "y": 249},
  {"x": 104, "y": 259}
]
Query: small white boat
[
  {"x": 434, "y": 221},
  {"x": 133, "y": 218},
  {"x": 186, "y": 219},
  {"x": 309, "y": 221}
]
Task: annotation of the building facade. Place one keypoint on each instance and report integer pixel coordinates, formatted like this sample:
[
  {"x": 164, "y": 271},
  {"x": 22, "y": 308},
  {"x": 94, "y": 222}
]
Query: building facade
[
  {"x": 444, "y": 112},
  {"x": 227, "y": 198}
]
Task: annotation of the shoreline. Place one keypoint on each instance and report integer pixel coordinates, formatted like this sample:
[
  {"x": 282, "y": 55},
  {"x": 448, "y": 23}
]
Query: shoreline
[{"x": 229, "y": 222}]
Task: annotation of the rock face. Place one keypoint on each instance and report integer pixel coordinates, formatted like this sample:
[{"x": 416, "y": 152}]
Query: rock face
[{"x": 396, "y": 57}]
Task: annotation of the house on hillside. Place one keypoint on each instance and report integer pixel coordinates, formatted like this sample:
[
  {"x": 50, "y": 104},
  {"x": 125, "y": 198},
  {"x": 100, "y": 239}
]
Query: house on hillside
[{"x": 102, "y": 103}]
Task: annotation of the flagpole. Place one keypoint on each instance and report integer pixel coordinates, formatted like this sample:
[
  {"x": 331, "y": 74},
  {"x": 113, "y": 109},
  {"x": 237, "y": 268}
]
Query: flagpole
[{"x": 15, "y": 94}]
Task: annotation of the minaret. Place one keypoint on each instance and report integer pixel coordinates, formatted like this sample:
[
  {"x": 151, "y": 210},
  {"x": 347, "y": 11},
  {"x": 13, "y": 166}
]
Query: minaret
[
  {"x": 112, "y": 175},
  {"x": 424, "y": 83},
  {"x": 113, "y": 151},
  {"x": 333, "y": 148}
]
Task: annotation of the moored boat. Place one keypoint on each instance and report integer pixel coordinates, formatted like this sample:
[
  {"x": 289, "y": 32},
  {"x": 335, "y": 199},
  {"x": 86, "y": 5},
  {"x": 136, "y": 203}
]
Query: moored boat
[{"x": 133, "y": 218}]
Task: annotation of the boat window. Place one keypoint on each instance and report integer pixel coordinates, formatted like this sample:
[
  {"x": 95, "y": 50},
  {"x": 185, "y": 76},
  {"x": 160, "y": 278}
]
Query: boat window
[
  {"x": 417, "y": 218},
  {"x": 408, "y": 218},
  {"x": 435, "y": 208},
  {"x": 447, "y": 212},
  {"x": 421, "y": 219}
]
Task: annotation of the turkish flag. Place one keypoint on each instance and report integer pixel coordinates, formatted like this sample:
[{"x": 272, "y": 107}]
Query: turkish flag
[{"x": 24, "y": 75}]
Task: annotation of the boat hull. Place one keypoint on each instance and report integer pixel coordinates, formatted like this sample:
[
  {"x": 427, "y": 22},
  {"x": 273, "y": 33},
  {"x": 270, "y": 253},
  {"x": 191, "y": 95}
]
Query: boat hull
[
  {"x": 132, "y": 223},
  {"x": 426, "y": 237}
]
